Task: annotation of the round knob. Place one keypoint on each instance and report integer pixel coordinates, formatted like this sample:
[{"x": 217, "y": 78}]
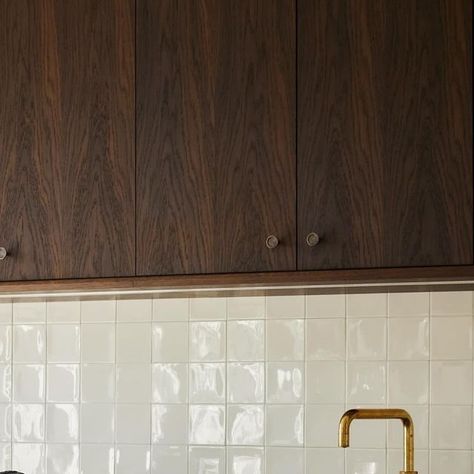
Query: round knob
[
  {"x": 3, "y": 253},
  {"x": 312, "y": 239},
  {"x": 272, "y": 242}
]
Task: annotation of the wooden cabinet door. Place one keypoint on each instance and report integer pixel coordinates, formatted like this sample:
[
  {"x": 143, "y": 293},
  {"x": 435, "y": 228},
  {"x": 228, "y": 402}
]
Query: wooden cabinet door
[
  {"x": 385, "y": 133},
  {"x": 67, "y": 138},
  {"x": 215, "y": 135}
]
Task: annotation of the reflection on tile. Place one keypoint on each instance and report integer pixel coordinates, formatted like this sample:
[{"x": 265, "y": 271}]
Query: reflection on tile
[
  {"x": 5, "y": 343},
  {"x": 169, "y": 459},
  {"x": 29, "y": 343},
  {"x": 62, "y": 421},
  {"x": 245, "y": 460},
  {"x": 245, "y": 424},
  {"x": 206, "y": 424},
  {"x": 408, "y": 338},
  {"x": 325, "y": 339},
  {"x": 367, "y": 338},
  {"x": 28, "y": 423},
  {"x": 245, "y": 382},
  {"x": 285, "y": 382},
  {"x": 284, "y": 425},
  {"x": 63, "y": 343},
  {"x": 170, "y": 424},
  {"x": 325, "y": 381},
  {"x": 129, "y": 458},
  {"x": 5, "y": 383},
  {"x": 366, "y": 461},
  {"x": 207, "y": 383},
  {"x": 63, "y": 383},
  {"x": 28, "y": 383},
  {"x": 207, "y": 341},
  {"x": 5, "y": 423},
  {"x": 206, "y": 460},
  {"x": 170, "y": 342},
  {"x": 170, "y": 383},
  {"x": 245, "y": 340},
  {"x": 62, "y": 459},
  {"x": 366, "y": 382},
  {"x": 408, "y": 383},
  {"x": 5, "y": 455},
  {"x": 285, "y": 340},
  {"x": 29, "y": 458}
]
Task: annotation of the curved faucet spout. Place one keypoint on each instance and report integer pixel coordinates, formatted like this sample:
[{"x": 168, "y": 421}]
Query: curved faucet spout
[{"x": 382, "y": 414}]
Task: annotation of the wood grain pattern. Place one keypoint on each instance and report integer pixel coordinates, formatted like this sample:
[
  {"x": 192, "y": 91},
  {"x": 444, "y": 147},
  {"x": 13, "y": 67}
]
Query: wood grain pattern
[
  {"x": 300, "y": 282},
  {"x": 215, "y": 135},
  {"x": 385, "y": 133},
  {"x": 67, "y": 138}
]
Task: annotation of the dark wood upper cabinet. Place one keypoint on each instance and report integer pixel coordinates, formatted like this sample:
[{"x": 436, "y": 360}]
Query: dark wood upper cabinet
[
  {"x": 67, "y": 138},
  {"x": 216, "y": 169},
  {"x": 385, "y": 170}
]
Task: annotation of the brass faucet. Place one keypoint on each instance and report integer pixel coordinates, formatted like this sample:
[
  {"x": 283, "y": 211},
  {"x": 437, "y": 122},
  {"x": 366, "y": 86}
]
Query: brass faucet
[{"x": 382, "y": 414}]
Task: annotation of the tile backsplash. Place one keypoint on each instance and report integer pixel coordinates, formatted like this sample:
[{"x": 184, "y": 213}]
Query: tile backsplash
[{"x": 238, "y": 385}]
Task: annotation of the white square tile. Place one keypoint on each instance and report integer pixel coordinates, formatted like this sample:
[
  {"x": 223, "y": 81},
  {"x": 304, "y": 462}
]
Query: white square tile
[
  {"x": 133, "y": 424},
  {"x": 134, "y": 343},
  {"x": 206, "y": 460},
  {"x": 97, "y": 459},
  {"x": 245, "y": 425},
  {"x": 97, "y": 423},
  {"x": 97, "y": 382},
  {"x": 170, "y": 342},
  {"x": 408, "y": 383},
  {"x": 367, "y": 338},
  {"x": 395, "y": 460},
  {"x": 245, "y": 340},
  {"x": 285, "y": 460},
  {"x": 28, "y": 423},
  {"x": 134, "y": 309},
  {"x": 5, "y": 343},
  {"x": 62, "y": 383},
  {"x": 169, "y": 459},
  {"x": 63, "y": 311},
  {"x": 207, "y": 424},
  {"x": 133, "y": 383},
  {"x": 98, "y": 310},
  {"x": 5, "y": 456},
  {"x": 445, "y": 461},
  {"x": 207, "y": 309},
  {"x": 409, "y": 304},
  {"x": 451, "y": 338},
  {"x": 285, "y": 382},
  {"x": 285, "y": 307},
  {"x": 366, "y": 382},
  {"x": 420, "y": 416},
  {"x": 62, "y": 458},
  {"x": 5, "y": 383},
  {"x": 29, "y": 458},
  {"x": 325, "y": 382},
  {"x": 245, "y": 382},
  {"x": 246, "y": 307},
  {"x": 29, "y": 311},
  {"x": 169, "y": 424},
  {"x": 325, "y": 339},
  {"x": 6, "y": 311},
  {"x": 362, "y": 461},
  {"x": 170, "y": 309},
  {"x": 451, "y": 427},
  {"x": 98, "y": 342},
  {"x": 324, "y": 460},
  {"x": 62, "y": 422},
  {"x": 408, "y": 338},
  {"x": 367, "y": 304},
  {"x": 5, "y": 423},
  {"x": 29, "y": 343},
  {"x": 284, "y": 425},
  {"x": 322, "y": 422},
  {"x": 326, "y": 306},
  {"x": 245, "y": 460},
  {"x": 64, "y": 343},
  {"x": 451, "y": 383},
  {"x": 29, "y": 383},
  {"x": 285, "y": 340},
  {"x": 129, "y": 458},
  {"x": 207, "y": 383},
  {"x": 170, "y": 383},
  {"x": 445, "y": 303},
  {"x": 207, "y": 341}
]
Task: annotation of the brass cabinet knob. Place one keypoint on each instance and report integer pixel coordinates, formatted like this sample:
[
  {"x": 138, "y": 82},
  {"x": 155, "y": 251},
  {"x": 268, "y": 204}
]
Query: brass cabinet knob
[
  {"x": 312, "y": 239},
  {"x": 272, "y": 242},
  {"x": 3, "y": 253}
]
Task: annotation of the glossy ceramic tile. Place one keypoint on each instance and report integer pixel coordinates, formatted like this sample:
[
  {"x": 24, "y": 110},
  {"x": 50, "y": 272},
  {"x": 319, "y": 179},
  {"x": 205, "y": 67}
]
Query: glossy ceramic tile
[
  {"x": 29, "y": 311},
  {"x": 133, "y": 383},
  {"x": 367, "y": 338},
  {"x": 408, "y": 383},
  {"x": 207, "y": 383},
  {"x": 207, "y": 341},
  {"x": 98, "y": 310},
  {"x": 97, "y": 459},
  {"x": 321, "y": 425},
  {"x": 134, "y": 309},
  {"x": 130, "y": 459},
  {"x": 207, "y": 309},
  {"x": 451, "y": 303},
  {"x": 171, "y": 309},
  {"x": 285, "y": 382},
  {"x": 366, "y": 382},
  {"x": 5, "y": 423},
  {"x": 98, "y": 343},
  {"x": 63, "y": 311},
  {"x": 29, "y": 342},
  {"x": 64, "y": 343},
  {"x": 284, "y": 425},
  {"x": 284, "y": 460},
  {"x": 62, "y": 422},
  {"x": 444, "y": 461},
  {"x": 207, "y": 460},
  {"x": 326, "y": 306},
  {"x": 325, "y": 382},
  {"x": 245, "y": 460},
  {"x": 245, "y": 382},
  {"x": 366, "y": 304},
  {"x": 170, "y": 383},
  {"x": 408, "y": 338},
  {"x": 324, "y": 460},
  {"x": 408, "y": 304},
  {"x": 325, "y": 339},
  {"x": 366, "y": 461},
  {"x": 451, "y": 427},
  {"x": 6, "y": 311},
  {"x": 5, "y": 456},
  {"x": 420, "y": 415},
  {"x": 29, "y": 383},
  {"x": 207, "y": 424},
  {"x": 395, "y": 460},
  {"x": 170, "y": 342},
  {"x": 169, "y": 459},
  {"x": 245, "y": 425},
  {"x": 451, "y": 338},
  {"x": 451, "y": 383},
  {"x": 285, "y": 340},
  {"x": 28, "y": 424},
  {"x": 63, "y": 383},
  {"x": 246, "y": 307},
  {"x": 5, "y": 343},
  {"x": 62, "y": 459},
  {"x": 97, "y": 423},
  {"x": 5, "y": 383},
  {"x": 245, "y": 340},
  {"x": 98, "y": 383},
  {"x": 133, "y": 423},
  {"x": 29, "y": 458},
  {"x": 170, "y": 424},
  {"x": 133, "y": 343},
  {"x": 284, "y": 307}
]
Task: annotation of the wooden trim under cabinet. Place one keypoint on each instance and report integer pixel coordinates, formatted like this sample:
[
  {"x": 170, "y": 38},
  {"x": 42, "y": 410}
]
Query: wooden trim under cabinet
[{"x": 418, "y": 278}]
